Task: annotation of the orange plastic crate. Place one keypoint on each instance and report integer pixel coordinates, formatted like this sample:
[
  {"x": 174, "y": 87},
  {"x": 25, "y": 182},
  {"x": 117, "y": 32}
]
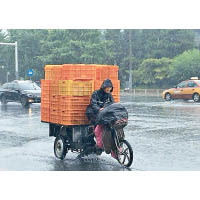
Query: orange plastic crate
[
  {"x": 99, "y": 71},
  {"x": 68, "y": 72},
  {"x": 48, "y": 69},
  {"x": 74, "y": 100},
  {"x": 73, "y": 118},
  {"x": 45, "y": 97},
  {"x": 69, "y": 103},
  {"x": 45, "y": 100},
  {"x": 54, "y": 115},
  {"x": 54, "y": 118},
  {"x": 105, "y": 71},
  {"x": 53, "y": 72},
  {"x": 76, "y": 88},
  {"x": 67, "y": 107},
  {"x": 54, "y": 103},
  {"x": 113, "y": 72},
  {"x": 78, "y": 108},
  {"x": 45, "y": 89},
  {"x": 78, "y": 72},
  {"x": 57, "y": 72},
  {"x": 54, "y": 87},
  {"x": 97, "y": 85},
  {"x": 86, "y": 72},
  {"x": 45, "y": 86},
  {"x": 45, "y": 115}
]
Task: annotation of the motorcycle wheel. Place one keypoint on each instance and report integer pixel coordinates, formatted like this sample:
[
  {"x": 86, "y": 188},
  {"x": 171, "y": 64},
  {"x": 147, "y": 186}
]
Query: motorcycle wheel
[
  {"x": 124, "y": 153},
  {"x": 60, "y": 149}
]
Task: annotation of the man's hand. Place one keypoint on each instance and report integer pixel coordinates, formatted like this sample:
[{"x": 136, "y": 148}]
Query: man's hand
[{"x": 101, "y": 109}]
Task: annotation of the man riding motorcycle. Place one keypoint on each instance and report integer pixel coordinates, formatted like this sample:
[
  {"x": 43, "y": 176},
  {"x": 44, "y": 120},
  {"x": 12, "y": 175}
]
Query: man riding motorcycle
[{"x": 99, "y": 100}]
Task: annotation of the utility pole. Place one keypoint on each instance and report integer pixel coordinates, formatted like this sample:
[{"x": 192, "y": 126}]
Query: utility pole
[
  {"x": 130, "y": 62},
  {"x": 16, "y": 57},
  {"x": 16, "y": 62}
]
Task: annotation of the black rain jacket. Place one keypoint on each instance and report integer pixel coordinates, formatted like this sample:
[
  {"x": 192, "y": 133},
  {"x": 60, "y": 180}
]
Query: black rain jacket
[{"x": 99, "y": 99}]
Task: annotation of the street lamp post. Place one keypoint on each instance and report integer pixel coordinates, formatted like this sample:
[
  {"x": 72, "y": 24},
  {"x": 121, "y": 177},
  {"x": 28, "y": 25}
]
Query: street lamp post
[
  {"x": 16, "y": 57},
  {"x": 130, "y": 63},
  {"x": 16, "y": 62}
]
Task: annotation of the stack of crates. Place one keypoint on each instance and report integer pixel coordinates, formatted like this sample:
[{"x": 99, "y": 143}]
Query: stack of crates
[{"x": 67, "y": 89}]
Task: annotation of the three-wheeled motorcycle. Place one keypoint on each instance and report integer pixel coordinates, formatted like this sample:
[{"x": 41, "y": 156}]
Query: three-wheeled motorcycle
[{"x": 81, "y": 139}]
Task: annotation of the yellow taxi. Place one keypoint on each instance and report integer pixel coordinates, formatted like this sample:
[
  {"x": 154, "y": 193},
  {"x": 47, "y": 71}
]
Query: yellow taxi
[{"x": 187, "y": 90}]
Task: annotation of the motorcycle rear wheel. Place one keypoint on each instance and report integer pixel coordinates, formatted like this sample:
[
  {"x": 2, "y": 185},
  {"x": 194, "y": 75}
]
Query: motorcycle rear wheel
[{"x": 60, "y": 149}]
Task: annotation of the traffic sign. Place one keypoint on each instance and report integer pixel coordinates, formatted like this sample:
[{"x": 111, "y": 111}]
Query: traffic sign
[{"x": 30, "y": 72}]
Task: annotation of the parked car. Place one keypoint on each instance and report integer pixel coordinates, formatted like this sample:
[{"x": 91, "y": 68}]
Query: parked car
[
  {"x": 25, "y": 92},
  {"x": 187, "y": 90}
]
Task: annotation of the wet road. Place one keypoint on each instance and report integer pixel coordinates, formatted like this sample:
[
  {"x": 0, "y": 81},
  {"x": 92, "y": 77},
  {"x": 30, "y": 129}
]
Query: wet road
[{"x": 164, "y": 136}]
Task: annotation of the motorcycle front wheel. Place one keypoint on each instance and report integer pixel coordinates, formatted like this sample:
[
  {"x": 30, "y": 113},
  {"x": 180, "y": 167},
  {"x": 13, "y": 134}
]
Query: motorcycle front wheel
[{"x": 124, "y": 153}]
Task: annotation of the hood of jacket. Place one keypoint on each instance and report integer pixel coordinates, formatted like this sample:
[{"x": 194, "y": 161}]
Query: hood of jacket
[{"x": 107, "y": 83}]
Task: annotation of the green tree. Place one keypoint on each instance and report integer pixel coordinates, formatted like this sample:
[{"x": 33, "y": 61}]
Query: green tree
[
  {"x": 155, "y": 44},
  {"x": 28, "y": 49},
  {"x": 116, "y": 45},
  {"x": 153, "y": 72},
  {"x": 74, "y": 46},
  {"x": 185, "y": 65}
]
